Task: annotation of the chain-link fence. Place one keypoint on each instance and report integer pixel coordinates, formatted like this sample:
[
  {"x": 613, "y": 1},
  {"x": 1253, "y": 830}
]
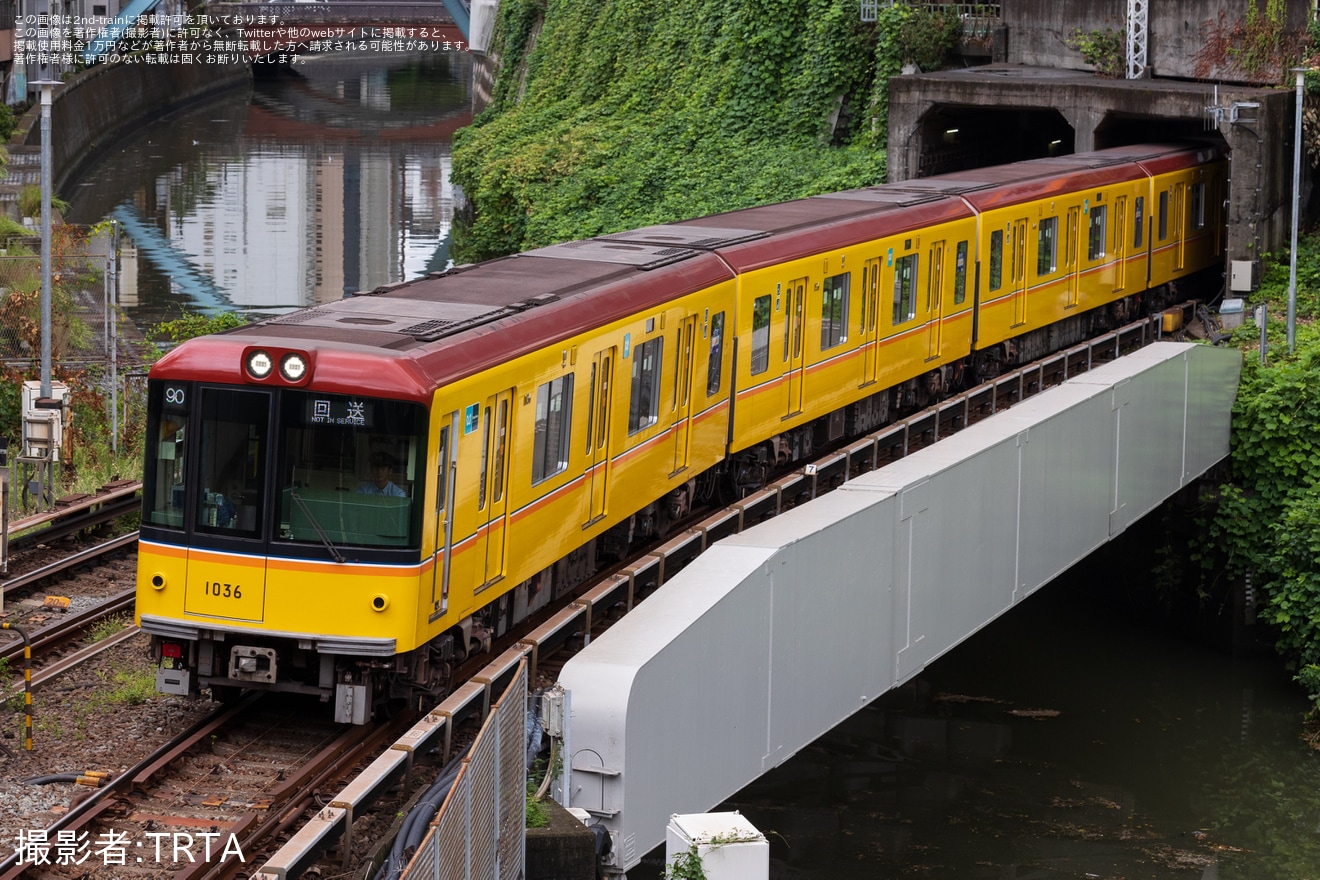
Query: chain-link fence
[{"x": 479, "y": 832}]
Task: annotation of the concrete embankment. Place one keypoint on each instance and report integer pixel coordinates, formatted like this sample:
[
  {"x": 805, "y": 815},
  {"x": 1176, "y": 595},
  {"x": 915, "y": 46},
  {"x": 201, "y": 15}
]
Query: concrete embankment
[{"x": 102, "y": 104}]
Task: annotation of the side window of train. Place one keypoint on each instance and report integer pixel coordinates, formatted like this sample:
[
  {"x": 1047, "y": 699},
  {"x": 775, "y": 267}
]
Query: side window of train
[
  {"x": 834, "y": 310},
  {"x": 1164, "y": 215},
  {"x": 1095, "y": 247},
  {"x": 905, "y": 289},
  {"x": 1047, "y": 246},
  {"x": 644, "y": 400},
  {"x": 1138, "y": 222},
  {"x": 996, "y": 259},
  {"x": 715, "y": 365},
  {"x": 554, "y": 407},
  {"x": 760, "y": 334},
  {"x": 960, "y": 274},
  {"x": 1198, "y": 206}
]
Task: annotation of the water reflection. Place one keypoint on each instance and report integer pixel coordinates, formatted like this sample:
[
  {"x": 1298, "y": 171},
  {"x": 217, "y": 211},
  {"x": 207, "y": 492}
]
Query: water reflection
[
  {"x": 317, "y": 184},
  {"x": 1059, "y": 742}
]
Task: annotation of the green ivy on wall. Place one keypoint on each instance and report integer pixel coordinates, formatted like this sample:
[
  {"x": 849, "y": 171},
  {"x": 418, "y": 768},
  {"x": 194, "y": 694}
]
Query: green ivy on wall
[{"x": 613, "y": 114}]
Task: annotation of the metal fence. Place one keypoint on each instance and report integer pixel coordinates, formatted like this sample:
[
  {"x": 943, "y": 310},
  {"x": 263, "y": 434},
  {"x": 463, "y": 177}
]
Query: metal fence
[{"x": 479, "y": 833}]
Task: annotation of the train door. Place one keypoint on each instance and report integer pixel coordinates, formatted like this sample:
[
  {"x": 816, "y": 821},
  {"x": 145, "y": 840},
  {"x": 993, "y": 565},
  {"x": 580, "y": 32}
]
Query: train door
[
  {"x": 935, "y": 298},
  {"x": 1018, "y": 271},
  {"x": 1120, "y": 242},
  {"x": 687, "y": 333},
  {"x": 870, "y": 313},
  {"x": 1179, "y": 226},
  {"x": 446, "y": 472},
  {"x": 1072, "y": 234},
  {"x": 794, "y": 314},
  {"x": 496, "y": 436},
  {"x": 598, "y": 431}
]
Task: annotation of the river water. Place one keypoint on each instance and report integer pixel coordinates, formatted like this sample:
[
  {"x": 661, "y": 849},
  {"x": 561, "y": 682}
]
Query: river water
[{"x": 1065, "y": 740}]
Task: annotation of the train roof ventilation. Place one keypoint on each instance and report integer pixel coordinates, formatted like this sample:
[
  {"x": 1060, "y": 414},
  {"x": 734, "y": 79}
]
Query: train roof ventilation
[
  {"x": 688, "y": 236},
  {"x": 302, "y": 316},
  {"x": 642, "y": 256}
]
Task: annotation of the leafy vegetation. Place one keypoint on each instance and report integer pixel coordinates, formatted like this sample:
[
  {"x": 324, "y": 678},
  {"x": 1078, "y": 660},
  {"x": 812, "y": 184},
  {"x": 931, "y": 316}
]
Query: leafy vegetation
[
  {"x": 1103, "y": 49},
  {"x": 1267, "y": 520},
  {"x": 1257, "y": 48},
  {"x": 618, "y": 114}
]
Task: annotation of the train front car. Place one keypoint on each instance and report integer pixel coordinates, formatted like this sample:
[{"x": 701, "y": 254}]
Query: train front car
[{"x": 282, "y": 542}]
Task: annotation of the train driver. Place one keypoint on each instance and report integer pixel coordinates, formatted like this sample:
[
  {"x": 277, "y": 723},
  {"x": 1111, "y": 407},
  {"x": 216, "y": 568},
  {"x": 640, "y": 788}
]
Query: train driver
[{"x": 380, "y": 484}]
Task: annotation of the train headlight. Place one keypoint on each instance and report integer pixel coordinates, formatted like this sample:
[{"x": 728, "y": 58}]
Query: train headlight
[
  {"x": 380, "y": 602},
  {"x": 259, "y": 364},
  {"x": 293, "y": 367}
]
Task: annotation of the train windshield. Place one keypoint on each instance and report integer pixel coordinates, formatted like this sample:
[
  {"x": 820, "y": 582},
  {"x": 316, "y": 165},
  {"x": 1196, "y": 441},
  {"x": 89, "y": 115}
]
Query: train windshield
[
  {"x": 350, "y": 470},
  {"x": 335, "y": 470}
]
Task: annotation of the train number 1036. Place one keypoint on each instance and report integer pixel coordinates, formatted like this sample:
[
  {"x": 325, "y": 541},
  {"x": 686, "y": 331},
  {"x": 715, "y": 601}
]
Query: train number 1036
[{"x": 226, "y": 591}]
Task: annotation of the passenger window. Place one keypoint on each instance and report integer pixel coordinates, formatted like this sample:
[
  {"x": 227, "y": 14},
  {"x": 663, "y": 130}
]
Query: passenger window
[
  {"x": 644, "y": 402},
  {"x": 960, "y": 274},
  {"x": 1095, "y": 248},
  {"x": 1138, "y": 223},
  {"x": 760, "y": 334},
  {"x": 996, "y": 260},
  {"x": 834, "y": 310},
  {"x": 1164, "y": 215},
  {"x": 1198, "y": 206},
  {"x": 554, "y": 407},
  {"x": 1047, "y": 246},
  {"x": 715, "y": 364},
  {"x": 905, "y": 289}
]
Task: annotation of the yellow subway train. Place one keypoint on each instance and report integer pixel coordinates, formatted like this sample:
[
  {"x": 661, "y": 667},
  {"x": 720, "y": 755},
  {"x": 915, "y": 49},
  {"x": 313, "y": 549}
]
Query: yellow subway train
[{"x": 351, "y": 499}]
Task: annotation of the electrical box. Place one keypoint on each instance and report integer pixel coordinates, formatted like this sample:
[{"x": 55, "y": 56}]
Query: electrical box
[
  {"x": 1243, "y": 275},
  {"x": 44, "y": 419},
  {"x": 729, "y": 847}
]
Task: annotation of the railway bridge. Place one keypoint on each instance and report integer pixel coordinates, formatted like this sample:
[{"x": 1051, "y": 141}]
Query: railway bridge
[{"x": 776, "y": 634}]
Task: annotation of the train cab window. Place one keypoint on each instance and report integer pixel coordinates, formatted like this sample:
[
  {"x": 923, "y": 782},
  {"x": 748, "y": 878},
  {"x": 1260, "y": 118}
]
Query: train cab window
[
  {"x": 1138, "y": 221},
  {"x": 644, "y": 400},
  {"x": 1096, "y": 243},
  {"x": 350, "y": 469},
  {"x": 1198, "y": 206},
  {"x": 167, "y": 453},
  {"x": 1164, "y": 215},
  {"x": 760, "y": 334},
  {"x": 960, "y": 274},
  {"x": 905, "y": 289},
  {"x": 232, "y": 461},
  {"x": 554, "y": 407},
  {"x": 1047, "y": 246},
  {"x": 834, "y": 310},
  {"x": 715, "y": 364},
  {"x": 996, "y": 260}
]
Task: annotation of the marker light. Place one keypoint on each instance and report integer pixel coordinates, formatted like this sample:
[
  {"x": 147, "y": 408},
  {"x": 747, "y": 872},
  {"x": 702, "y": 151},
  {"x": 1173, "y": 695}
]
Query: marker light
[
  {"x": 259, "y": 365},
  {"x": 293, "y": 367}
]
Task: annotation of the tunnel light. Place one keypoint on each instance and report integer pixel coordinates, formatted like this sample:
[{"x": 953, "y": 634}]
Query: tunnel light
[
  {"x": 259, "y": 365},
  {"x": 293, "y": 367}
]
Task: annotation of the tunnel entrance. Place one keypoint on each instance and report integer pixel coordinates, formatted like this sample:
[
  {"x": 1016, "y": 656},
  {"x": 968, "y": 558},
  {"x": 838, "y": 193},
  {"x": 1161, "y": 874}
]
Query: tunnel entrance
[{"x": 955, "y": 138}]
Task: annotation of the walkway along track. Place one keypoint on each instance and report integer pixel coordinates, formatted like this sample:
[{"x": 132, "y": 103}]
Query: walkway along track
[{"x": 602, "y": 602}]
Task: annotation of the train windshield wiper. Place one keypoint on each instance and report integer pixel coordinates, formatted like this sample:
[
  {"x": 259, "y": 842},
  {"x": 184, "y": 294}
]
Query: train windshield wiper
[{"x": 311, "y": 518}]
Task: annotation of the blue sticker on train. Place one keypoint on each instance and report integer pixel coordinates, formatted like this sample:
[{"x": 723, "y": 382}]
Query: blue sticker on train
[
  {"x": 627, "y": 344},
  {"x": 470, "y": 418}
]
